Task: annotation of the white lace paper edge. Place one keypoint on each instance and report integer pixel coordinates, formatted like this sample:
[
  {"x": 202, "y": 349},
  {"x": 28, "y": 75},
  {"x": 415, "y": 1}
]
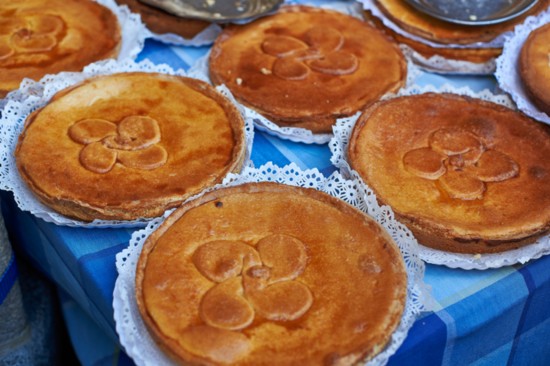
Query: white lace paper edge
[
  {"x": 338, "y": 147},
  {"x": 133, "y": 34},
  {"x": 507, "y": 73},
  {"x": 205, "y": 37},
  {"x": 37, "y": 94},
  {"x": 443, "y": 65},
  {"x": 133, "y": 333},
  {"x": 132, "y": 30},
  {"x": 373, "y": 8}
]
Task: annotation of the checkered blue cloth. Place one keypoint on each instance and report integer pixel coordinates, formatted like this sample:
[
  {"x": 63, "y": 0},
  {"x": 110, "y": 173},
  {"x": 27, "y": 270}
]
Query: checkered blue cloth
[{"x": 492, "y": 317}]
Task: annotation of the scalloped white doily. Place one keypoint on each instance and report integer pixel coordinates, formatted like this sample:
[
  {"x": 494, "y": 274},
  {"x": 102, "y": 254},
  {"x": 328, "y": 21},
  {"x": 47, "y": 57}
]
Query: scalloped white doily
[
  {"x": 338, "y": 147},
  {"x": 448, "y": 66},
  {"x": 132, "y": 30},
  {"x": 133, "y": 334},
  {"x": 205, "y": 37},
  {"x": 375, "y": 10},
  {"x": 37, "y": 94},
  {"x": 507, "y": 74}
]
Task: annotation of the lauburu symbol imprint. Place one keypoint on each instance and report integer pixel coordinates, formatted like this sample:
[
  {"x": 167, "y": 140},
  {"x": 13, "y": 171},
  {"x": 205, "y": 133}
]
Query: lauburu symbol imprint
[
  {"x": 132, "y": 143},
  {"x": 249, "y": 282},
  {"x": 460, "y": 162},
  {"x": 320, "y": 51},
  {"x": 33, "y": 33}
]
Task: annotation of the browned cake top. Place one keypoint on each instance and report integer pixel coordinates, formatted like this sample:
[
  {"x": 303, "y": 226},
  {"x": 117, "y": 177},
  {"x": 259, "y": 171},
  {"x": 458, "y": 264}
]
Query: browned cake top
[
  {"x": 39, "y": 37},
  {"x": 534, "y": 67},
  {"x": 423, "y": 25},
  {"x": 305, "y": 67},
  {"x": 456, "y": 168},
  {"x": 265, "y": 273},
  {"x": 129, "y": 145}
]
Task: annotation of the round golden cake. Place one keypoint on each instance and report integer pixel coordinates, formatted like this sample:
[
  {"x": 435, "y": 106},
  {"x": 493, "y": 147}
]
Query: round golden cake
[
  {"x": 417, "y": 23},
  {"x": 39, "y": 37},
  {"x": 534, "y": 67},
  {"x": 306, "y": 67},
  {"x": 463, "y": 174},
  {"x": 129, "y": 146},
  {"x": 265, "y": 273}
]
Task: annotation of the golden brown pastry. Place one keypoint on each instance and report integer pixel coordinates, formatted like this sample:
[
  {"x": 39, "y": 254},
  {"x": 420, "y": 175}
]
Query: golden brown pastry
[
  {"x": 534, "y": 67},
  {"x": 161, "y": 22},
  {"x": 474, "y": 55},
  {"x": 129, "y": 146},
  {"x": 463, "y": 174},
  {"x": 305, "y": 67},
  {"x": 265, "y": 273},
  {"x": 415, "y": 22},
  {"x": 39, "y": 37}
]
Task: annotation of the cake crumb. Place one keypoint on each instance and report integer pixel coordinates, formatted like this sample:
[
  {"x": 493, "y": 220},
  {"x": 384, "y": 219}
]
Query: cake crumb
[
  {"x": 239, "y": 81},
  {"x": 473, "y": 17},
  {"x": 265, "y": 71},
  {"x": 477, "y": 256}
]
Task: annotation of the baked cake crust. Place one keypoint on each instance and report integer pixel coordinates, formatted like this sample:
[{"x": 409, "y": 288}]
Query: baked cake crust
[
  {"x": 534, "y": 67},
  {"x": 40, "y": 37},
  {"x": 440, "y": 31},
  {"x": 463, "y": 174},
  {"x": 306, "y": 67},
  {"x": 302, "y": 278},
  {"x": 129, "y": 146}
]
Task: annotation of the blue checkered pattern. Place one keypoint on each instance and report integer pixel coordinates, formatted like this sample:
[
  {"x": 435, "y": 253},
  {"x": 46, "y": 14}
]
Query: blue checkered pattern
[{"x": 493, "y": 317}]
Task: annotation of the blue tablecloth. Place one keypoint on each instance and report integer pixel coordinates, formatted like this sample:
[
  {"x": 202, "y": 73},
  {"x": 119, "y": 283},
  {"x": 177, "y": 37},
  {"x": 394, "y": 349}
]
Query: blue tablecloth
[{"x": 492, "y": 317}]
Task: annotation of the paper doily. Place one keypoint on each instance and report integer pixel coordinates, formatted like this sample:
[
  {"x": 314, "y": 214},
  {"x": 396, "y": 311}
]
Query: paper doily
[
  {"x": 205, "y": 37},
  {"x": 133, "y": 334},
  {"x": 37, "y": 94},
  {"x": 338, "y": 147},
  {"x": 449, "y": 66},
  {"x": 132, "y": 31},
  {"x": 507, "y": 74}
]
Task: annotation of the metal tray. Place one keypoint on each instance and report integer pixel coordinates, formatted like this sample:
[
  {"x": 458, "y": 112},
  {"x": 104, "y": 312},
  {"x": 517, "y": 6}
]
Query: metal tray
[
  {"x": 473, "y": 12},
  {"x": 216, "y": 10}
]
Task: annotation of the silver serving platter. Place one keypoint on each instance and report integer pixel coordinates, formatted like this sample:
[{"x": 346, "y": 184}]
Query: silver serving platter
[
  {"x": 473, "y": 12},
  {"x": 216, "y": 10}
]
